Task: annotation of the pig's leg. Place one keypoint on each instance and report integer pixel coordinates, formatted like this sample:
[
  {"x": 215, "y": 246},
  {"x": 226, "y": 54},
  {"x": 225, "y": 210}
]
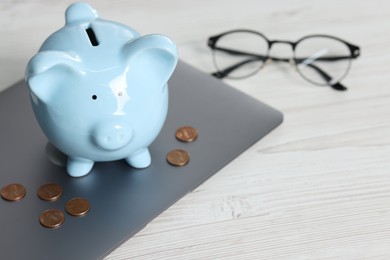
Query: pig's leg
[
  {"x": 139, "y": 159},
  {"x": 78, "y": 167}
]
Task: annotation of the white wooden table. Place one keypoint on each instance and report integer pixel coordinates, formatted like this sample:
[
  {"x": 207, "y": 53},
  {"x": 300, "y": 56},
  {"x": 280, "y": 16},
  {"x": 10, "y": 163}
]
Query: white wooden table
[{"x": 318, "y": 187}]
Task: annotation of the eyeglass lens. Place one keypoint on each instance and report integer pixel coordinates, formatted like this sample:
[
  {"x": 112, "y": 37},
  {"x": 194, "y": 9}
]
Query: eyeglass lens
[
  {"x": 322, "y": 60},
  {"x": 240, "y": 54}
]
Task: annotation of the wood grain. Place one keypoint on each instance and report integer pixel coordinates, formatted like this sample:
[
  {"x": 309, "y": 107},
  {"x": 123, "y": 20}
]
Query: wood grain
[{"x": 318, "y": 187}]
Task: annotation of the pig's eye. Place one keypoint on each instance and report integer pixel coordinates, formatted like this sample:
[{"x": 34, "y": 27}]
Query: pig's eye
[{"x": 94, "y": 97}]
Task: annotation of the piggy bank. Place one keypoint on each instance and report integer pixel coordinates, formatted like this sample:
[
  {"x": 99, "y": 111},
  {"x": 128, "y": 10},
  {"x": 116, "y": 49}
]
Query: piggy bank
[{"x": 99, "y": 90}]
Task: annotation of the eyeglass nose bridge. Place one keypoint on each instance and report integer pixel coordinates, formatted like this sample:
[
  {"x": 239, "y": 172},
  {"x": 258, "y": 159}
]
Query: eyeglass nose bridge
[
  {"x": 290, "y": 60},
  {"x": 292, "y": 44}
]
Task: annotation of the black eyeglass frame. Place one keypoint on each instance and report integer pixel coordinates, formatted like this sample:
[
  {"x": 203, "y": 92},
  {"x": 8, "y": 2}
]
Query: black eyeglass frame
[{"x": 354, "y": 53}]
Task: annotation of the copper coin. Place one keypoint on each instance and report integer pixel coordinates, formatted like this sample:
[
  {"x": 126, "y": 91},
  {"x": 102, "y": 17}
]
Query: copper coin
[
  {"x": 77, "y": 207},
  {"x": 178, "y": 157},
  {"x": 52, "y": 218},
  {"x": 49, "y": 192},
  {"x": 13, "y": 192},
  {"x": 186, "y": 134}
]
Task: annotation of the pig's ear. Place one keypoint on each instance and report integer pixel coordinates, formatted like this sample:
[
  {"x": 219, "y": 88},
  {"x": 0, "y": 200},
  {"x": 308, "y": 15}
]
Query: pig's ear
[
  {"x": 80, "y": 13},
  {"x": 151, "y": 60},
  {"x": 47, "y": 70}
]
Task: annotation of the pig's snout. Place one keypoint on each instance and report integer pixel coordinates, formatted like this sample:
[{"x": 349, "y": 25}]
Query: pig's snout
[{"x": 112, "y": 136}]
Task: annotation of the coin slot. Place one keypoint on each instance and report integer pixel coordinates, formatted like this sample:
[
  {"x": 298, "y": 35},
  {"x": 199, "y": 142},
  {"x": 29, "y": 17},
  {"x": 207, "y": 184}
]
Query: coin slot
[{"x": 92, "y": 36}]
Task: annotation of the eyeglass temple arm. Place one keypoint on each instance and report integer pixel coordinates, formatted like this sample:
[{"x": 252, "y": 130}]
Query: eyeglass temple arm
[
  {"x": 323, "y": 74},
  {"x": 225, "y": 72},
  {"x": 327, "y": 78}
]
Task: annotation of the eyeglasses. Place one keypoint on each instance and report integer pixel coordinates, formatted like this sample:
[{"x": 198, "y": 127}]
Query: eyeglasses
[{"x": 320, "y": 59}]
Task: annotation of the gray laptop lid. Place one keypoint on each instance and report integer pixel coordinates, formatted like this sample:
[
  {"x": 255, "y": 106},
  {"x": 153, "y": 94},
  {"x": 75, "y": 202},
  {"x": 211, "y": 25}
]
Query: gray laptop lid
[{"x": 123, "y": 200}]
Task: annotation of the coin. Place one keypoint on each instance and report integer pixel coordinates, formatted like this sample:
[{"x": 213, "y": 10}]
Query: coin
[
  {"x": 186, "y": 134},
  {"x": 13, "y": 192},
  {"x": 49, "y": 192},
  {"x": 178, "y": 157},
  {"x": 77, "y": 207},
  {"x": 52, "y": 218}
]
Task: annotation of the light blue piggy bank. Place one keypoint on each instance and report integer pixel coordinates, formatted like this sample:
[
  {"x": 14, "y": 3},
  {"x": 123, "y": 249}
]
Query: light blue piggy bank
[{"x": 99, "y": 90}]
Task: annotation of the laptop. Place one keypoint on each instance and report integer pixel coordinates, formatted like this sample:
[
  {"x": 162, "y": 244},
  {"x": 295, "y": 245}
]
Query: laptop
[{"x": 122, "y": 199}]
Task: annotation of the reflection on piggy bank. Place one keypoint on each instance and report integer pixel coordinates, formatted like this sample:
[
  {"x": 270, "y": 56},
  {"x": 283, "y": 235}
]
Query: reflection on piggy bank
[{"x": 99, "y": 90}]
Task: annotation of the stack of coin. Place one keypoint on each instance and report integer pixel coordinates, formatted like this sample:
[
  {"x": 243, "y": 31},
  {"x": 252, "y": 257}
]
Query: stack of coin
[
  {"x": 52, "y": 218},
  {"x": 49, "y": 192},
  {"x": 186, "y": 134},
  {"x": 77, "y": 207},
  {"x": 178, "y": 157},
  {"x": 13, "y": 192}
]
